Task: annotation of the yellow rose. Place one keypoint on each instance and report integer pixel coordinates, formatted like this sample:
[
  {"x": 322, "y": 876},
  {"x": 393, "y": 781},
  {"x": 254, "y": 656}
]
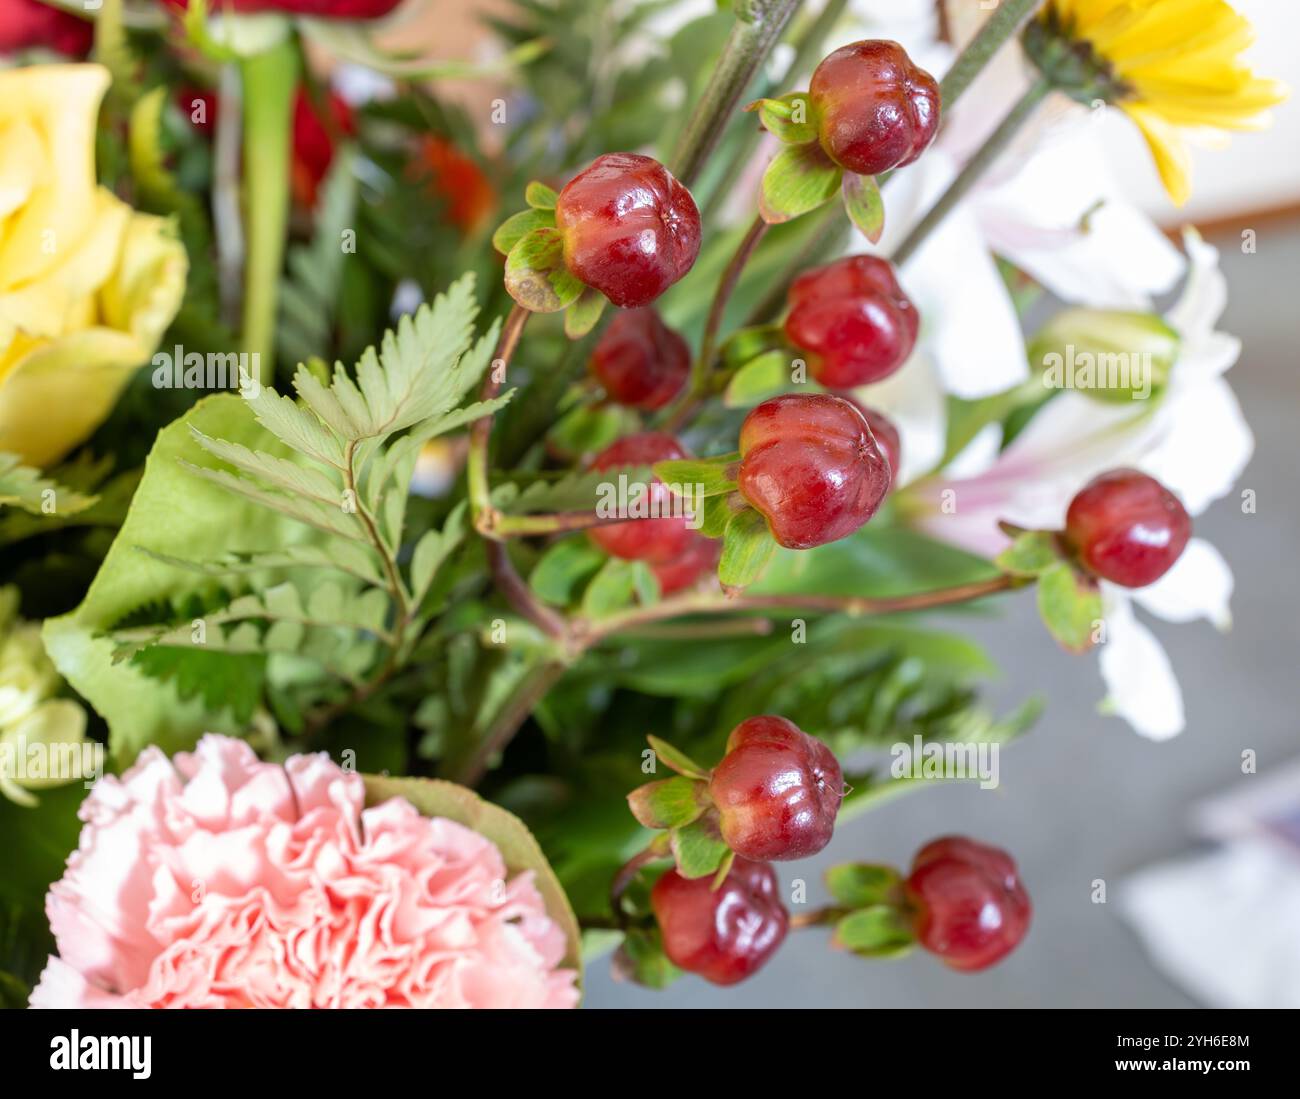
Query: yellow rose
[{"x": 87, "y": 285}]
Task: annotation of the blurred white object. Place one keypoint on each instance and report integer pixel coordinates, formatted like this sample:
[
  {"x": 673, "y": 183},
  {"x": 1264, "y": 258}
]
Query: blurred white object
[{"x": 1224, "y": 925}]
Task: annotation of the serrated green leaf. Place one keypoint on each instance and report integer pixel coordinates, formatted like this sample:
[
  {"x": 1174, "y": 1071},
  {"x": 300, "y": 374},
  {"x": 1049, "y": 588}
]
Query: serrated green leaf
[
  {"x": 433, "y": 549},
  {"x": 698, "y": 478},
  {"x": 788, "y": 119},
  {"x": 698, "y": 848},
  {"x": 562, "y": 568},
  {"x": 675, "y": 759},
  {"x": 668, "y": 803},
  {"x": 356, "y": 560},
  {"x": 1070, "y": 606},
  {"x": 747, "y": 547},
  {"x": 536, "y": 276},
  {"x": 865, "y": 207},
  {"x": 220, "y": 679},
  {"x": 517, "y": 226},
  {"x": 540, "y": 197},
  {"x": 578, "y": 491},
  {"x": 875, "y": 932},
  {"x": 763, "y": 376},
  {"x": 581, "y": 317},
  {"x": 35, "y": 493},
  {"x": 799, "y": 179},
  {"x": 859, "y": 884},
  {"x": 1030, "y": 554}
]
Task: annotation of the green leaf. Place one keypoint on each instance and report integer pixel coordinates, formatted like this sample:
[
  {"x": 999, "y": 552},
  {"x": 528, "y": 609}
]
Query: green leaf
[
  {"x": 641, "y": 958},
  {"x": 859, "y": 884},
  {"x": 540, "y": 197},
  {"x": 517, "y": 226},
  {"x": 578, "y": 491},
  {"x": 220, "y": 679},
  {"x": 865, "y": 207},
  {"x": 799, "y": 179},
  {"x": 762, "y": 377},
  {"x": 581, "y": 317},
  {"x": 699, "y": 477},
  {"x": 610, "y": 590},
  {"x": 175, "y": 514},
  {"x": 536, "y": 276},
  {"x": 519, "y": 850},
  {"x": 433, "y": 548},
  {"x": 589, "y": 428},
  {"x": 35, "y": 493},
  {"x": 1070, "y": 606},
  {"x": 717, "y": 514},
  {"x": 1030, "y": 554},
  {"x": 562, "y": 568},
  {"x": 676, "y": 760},
  {"x": 698, "y": 848},
  {"x": 747, "y": 547},
  {"x": 875, "y": 932},
  {"x": 668, "y": 803},
  {"x": 788, "y": 119}
]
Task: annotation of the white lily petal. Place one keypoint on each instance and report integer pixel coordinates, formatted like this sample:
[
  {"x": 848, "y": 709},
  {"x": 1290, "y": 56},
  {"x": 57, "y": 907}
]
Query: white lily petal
[
  {"x": 1139, "y": 679},
  {"x": 1204, "y": 444},
  {"x": 1199, "y": 585},
  {"x": 913, "y": 400},
  {"x": 1205, "y": 296}
]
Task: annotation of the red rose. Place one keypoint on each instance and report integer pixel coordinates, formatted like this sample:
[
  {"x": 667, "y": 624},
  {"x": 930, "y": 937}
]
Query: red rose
[{"x": 26, "y": 24}]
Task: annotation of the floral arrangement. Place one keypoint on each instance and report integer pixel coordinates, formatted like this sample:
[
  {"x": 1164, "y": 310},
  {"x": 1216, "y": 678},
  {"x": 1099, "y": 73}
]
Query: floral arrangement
[{"x": 680, "y": 366}]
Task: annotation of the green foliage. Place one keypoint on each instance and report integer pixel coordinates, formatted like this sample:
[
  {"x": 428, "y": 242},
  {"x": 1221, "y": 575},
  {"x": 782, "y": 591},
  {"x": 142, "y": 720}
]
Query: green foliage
[{"x": 27, "y": 488}]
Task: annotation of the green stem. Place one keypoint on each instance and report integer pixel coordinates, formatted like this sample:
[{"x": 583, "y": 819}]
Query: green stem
[
  {"x": 748, "y": 44},
  {"x": 269, "y": 81},
  {"x": 994, "y": 145},
  {"x": 480, "y": 432},
  {"x": 508, "y": 721},
  {"x": 1001, "y": 25}
]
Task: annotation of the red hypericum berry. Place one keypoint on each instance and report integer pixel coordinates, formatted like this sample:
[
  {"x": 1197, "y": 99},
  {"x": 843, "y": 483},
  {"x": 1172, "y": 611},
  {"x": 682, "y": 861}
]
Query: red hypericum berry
[
  {"x": 29, "y": 24},
  {"x": 886, "y": 434},
  {"x": 810, "y": 464},
  {"x": 875, "y": 110},
  {"x": 629, "y": 228},
  {"x": 971, "y": 909},
  {"x": 1127, "y": 528},
  {"x": 723, "y": 934},
  {"x": 641, "y": 362},
  {"x": 698, "y": 560},
  {"x": 657, "y": 540},
  {"x": 853, "y": 320},
  {"x": 777, "y": 790}
]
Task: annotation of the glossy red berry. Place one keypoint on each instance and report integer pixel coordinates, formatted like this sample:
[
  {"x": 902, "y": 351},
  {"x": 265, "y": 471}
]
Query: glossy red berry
[
  {"x": 777, "y": 790},
  {"x": 641, "y": 362},
  {"x": 853, "y": 320},
  {"x": 29, "y": 24},
  {"x": 629, "y": 228},
  {"x": 688, "y": 568},
  {"x": 657, "y": 540},
  {"x": 875, "y": 110},
  {"x": 970, "y": 907},
  {"x": 726, "y": 934},
  {"x": 810, "y": 465},
  {"x": 1127, "y": 528}
]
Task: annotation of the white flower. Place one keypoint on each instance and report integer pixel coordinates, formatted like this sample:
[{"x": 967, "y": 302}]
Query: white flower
[{"x": 1075, "y": 437}]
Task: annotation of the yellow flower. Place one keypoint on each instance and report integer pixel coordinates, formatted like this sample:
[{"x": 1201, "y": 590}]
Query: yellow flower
[
  {"x": 87, "y": 285},
  {"x": 1169, "y": 65}
]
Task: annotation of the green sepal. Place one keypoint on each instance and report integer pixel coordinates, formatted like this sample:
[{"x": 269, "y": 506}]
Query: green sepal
[
  {"x": 762, "y": 377},
  {"x": 788, "y": 119},
  {"x": 540, "y": 197},
  {"x": 863, "y": 204},
  {"x": 581, "y": 317},
  {"x": 669, "y": 803},
  {"x": 717, "y": 513},
  {"x": 517, "y": 226},
  {"x": 1032, "y": 552},
  {"x": 860, "y": 884},
  {"x": 878, "y": 931},
  {"x": 799, "y": 179},
  {"x": 676, "y": 760},
  {"x": 747, "y": 546},
  {"x": 536, "y": 276},
  {"x": 641, "y": 958},
  {"x": 706, "y": 476},
  {"x": 698, "y": 848},
  {"x": 1070, "y": 605}
]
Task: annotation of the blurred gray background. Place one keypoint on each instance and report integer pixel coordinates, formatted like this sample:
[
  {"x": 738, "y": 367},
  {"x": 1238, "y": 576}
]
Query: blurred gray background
[{"x": 1083, "y": 796}]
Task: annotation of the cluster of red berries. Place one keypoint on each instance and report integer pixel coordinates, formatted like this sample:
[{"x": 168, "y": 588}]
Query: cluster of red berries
[
  {"x": 1127, "y": 528},
  {"x": 777, "y": 793}
]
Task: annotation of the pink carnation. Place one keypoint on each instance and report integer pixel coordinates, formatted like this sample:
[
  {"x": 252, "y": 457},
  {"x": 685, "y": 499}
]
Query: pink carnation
[{"x": 217, "y": 880}]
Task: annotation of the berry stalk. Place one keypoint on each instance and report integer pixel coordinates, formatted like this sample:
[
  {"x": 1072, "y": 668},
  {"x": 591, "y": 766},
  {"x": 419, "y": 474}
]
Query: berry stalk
[
  {"x": 480, "y": 434},
  {"x": 746, "y": 48}
]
